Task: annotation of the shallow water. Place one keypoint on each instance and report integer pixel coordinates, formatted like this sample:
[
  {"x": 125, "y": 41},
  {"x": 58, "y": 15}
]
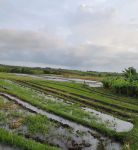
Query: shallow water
[
  {"x": 114, "y": 123},
  {"x": 62, "y": 79},
  {"x": 6, "y": 147},
  {"x": 89, "y": 140}
]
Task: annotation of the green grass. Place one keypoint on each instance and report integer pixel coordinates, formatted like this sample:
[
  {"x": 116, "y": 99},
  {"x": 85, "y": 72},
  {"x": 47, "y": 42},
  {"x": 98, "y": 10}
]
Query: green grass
[
  {"x": 71, "y": 112},
  {"x": 74, "y": 98},
  {"x": 100, "y": 91},
  {"x": 38, "y": 124},
  {"x": 126, "y": 105},
  {"x": 111, "y": 94},
  {"x": 35, "y": 124},
  {"x": 125, "y": 86},
  {"x": 130, "y": 139},
  {"x": 94, "y": 96},
  {"x": 15, "y": 140},
  {"x": 133, "y": 136}
]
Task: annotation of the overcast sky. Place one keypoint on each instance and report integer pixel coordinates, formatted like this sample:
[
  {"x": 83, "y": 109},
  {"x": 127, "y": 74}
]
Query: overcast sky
[{"x": 97, "y": 35}]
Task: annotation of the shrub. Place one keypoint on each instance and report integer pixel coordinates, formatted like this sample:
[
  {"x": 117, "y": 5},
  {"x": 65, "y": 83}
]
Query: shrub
[{"x": 122, "y": 86}]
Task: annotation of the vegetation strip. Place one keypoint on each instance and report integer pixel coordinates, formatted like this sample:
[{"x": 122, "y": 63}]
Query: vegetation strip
[
  {"x": 130, "y": 138},
  {"x": 36, "y": 125},
  {"x": 98, "y": 127},
  {"x": 129, "y": 107},
  {"x": 86, "y": 88},
  {"x": 110, "y": 94},
  {"x": 13, "y": 139},
  {"x": 77, "y": 99}
]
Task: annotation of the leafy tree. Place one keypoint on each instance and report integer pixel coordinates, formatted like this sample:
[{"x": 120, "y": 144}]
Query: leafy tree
[
  {"x": 15, "y": 70},
  {"x": 130, "y": 73}
]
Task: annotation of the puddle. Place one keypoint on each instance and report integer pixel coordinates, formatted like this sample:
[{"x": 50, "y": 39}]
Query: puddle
[
  {"x": 114, "y": 123},
  {"x": 83, "y": 137},
  {"x": 62, "y": 79}
]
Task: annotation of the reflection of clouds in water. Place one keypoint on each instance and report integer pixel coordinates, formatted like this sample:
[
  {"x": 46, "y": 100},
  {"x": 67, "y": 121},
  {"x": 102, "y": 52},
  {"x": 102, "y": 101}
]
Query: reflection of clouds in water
[{"x": 112, "y": 122}]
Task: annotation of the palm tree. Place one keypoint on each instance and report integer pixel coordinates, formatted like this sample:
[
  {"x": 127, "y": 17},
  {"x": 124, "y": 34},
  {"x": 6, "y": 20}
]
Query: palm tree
[{"x": 130, "y": 73}]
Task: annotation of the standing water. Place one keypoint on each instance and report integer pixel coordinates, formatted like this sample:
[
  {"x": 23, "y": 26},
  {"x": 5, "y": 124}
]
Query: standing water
[
  {"x": 6, "y": 147},
  {"x": 90, "y": 140},
  {"x": 62, "y": 79},
  {"x": 113, "y": 123}
]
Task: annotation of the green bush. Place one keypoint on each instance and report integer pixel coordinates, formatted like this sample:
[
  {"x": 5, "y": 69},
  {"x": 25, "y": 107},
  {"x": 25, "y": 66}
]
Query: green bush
[{"x": 122, "y": 86}]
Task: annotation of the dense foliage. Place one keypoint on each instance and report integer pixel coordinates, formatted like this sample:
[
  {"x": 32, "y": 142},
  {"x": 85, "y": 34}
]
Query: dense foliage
[
  {"x": 126, "y": 85},
  {"x": 19, "y": 69}
]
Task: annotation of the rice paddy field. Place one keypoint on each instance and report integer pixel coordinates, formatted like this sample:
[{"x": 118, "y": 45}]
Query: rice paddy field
[{"x": 42, "y": 113}]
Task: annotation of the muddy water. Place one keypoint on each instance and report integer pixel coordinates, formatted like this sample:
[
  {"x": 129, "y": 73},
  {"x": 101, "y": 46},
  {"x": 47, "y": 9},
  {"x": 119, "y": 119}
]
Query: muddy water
[
  {"x": 85, "y": 139},
  {"x": 6, "y": 147},
  {"x": 112, "y": 122},
  {"x": 62, "y": 79}
]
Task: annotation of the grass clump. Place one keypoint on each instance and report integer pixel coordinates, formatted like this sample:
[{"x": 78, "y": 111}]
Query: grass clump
[
  {"x": 38, "y": 124},
  {"x": 15, "y": 140}
]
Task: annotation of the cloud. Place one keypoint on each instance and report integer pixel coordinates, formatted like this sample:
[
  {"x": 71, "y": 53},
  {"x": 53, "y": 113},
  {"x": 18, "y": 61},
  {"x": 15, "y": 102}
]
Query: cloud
[{"x": 89, "y": 35}]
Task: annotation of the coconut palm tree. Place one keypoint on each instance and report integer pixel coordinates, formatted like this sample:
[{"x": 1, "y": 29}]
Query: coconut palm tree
[{"x": 130, "y": 73}]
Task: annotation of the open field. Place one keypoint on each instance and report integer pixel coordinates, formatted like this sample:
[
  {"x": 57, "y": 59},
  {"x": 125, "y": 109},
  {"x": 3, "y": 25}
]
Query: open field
[
  {"x": 48, "y": 114},
  {"x": 68, "y": 75}
]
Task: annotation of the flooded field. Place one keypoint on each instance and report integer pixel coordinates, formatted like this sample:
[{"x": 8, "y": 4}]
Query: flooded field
[
  {"x": 68, "y": 135},
  {"x": 6, "y": 147},
  {"x": 62, "y": 79},
  {"x": 114, "y": 123},
  {"x": 59, "y": 120}
]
